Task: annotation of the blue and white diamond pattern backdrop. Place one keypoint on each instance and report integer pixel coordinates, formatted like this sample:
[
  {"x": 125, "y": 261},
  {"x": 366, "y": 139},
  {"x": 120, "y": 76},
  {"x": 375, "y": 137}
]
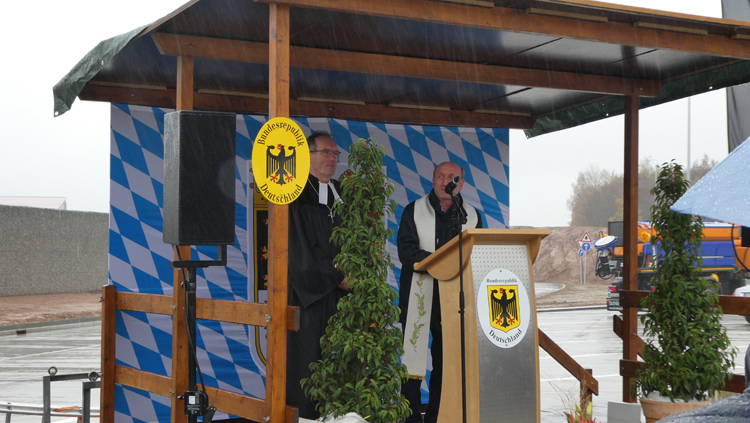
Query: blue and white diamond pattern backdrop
[{"x": 139, "y": 260}]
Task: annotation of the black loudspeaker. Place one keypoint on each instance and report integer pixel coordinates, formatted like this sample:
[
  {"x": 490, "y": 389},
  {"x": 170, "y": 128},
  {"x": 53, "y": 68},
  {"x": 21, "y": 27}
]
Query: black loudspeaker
[{"x": 199, "y": 173}]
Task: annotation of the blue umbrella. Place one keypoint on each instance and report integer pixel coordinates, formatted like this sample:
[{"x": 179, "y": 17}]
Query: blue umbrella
[{"x": 724, "y": 193}]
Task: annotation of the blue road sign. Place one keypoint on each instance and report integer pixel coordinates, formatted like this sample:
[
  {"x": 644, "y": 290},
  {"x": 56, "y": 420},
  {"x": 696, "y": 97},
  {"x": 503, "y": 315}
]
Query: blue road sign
[
  {"x": 586, "y": 246},
  {"x": 580, "y": 253}
]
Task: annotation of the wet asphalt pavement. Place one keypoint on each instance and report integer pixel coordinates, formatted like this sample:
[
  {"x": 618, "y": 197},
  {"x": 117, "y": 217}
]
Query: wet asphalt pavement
[
  {"x": 584, "y": 334},
  {"x": 587, "y": 336},
  {"x": 25, "y": 359}
]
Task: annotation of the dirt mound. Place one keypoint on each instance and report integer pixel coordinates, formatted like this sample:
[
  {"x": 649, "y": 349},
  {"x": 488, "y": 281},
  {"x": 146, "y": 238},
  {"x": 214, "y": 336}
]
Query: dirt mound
[{"x": 558, "y": 260}]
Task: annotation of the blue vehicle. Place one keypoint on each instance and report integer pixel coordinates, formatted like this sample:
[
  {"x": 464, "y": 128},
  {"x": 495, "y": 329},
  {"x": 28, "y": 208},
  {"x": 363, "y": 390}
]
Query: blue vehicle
[{"x": 723, "y": 258}]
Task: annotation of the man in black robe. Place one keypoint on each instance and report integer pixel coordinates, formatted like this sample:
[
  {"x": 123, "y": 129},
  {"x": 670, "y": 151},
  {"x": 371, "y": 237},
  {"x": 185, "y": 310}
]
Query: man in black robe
[
  {"x": 414, "y": 247},
  {"x": 315, "y": 286}
]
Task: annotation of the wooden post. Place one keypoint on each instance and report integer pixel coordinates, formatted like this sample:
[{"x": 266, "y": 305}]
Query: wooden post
[
  {"x": 180, "y": 348},
  {"x": 630, "y": 234},
  {"x": 278, "y": 225},
  {"x": 585, "y": 393},
  {"x": 109, "y": 336},
  {"x": 185, "y": 66}
]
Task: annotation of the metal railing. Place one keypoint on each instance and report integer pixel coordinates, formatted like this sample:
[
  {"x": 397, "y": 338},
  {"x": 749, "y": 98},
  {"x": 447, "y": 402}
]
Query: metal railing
[
  {"x": 10, "y": 409},
  {"x": 82, "y": 414}
]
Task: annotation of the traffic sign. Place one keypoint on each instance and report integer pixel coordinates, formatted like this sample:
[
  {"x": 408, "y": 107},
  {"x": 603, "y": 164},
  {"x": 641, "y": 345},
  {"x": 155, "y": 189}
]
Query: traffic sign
[
  {"x": 585, "y": 237},
  {"x": 580, "y": 253},
  {"x": 586, "y": 246}
]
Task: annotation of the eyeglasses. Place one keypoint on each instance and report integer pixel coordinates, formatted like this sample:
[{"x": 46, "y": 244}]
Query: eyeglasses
[{"x": 327, "y": 153}]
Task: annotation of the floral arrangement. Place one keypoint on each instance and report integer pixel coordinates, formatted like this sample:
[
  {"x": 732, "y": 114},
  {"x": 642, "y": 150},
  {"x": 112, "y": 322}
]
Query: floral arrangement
[{"x": 579, "y": 416}]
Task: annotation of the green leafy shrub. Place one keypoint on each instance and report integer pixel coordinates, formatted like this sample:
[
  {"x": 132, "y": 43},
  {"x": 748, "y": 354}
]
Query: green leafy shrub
[
  {"x": 689, "y": 354},
  {"x": 360, "y": 371}
]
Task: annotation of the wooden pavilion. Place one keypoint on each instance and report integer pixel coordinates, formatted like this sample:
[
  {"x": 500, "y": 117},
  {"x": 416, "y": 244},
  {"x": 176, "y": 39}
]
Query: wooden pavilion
[{"x": 536, "y": 65}]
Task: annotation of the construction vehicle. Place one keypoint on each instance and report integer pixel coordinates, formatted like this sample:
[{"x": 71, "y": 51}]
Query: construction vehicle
[{"x": 724, "y": 258}]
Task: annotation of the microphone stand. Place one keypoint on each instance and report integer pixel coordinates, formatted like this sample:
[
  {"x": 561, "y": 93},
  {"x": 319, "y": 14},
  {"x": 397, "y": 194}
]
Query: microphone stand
[{"x": 459, "y": 218}]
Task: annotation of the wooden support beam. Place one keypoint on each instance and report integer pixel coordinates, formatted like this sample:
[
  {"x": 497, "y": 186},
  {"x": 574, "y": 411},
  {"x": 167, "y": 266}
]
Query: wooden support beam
[
  {"x": 735, "y": 384},
  {"x": 240, "y": 312},
  {"x": 568, "y": 362},
  {"x": 147, "y": 381},
  {"x": 630, "y": 241},
  {"x": 185, "y": 67},
  {"x": 146, "y": 303},
  {"x": 380, "y": 64},
  {"x": 517, "y": 20},
  {"x": 729, "y": 304},
  {"x": 735, "y": 305},
  {"x": 368, "y": 112},
  {"x": 586, "y": 393},
  {"x": 580, "y": 16},
  {"x": 618, "y": 328},
  {"x": 180, "y": 347},
  {"x": 237, "y": 312},
  {"x": 632, "y": 298},
  {"x": 629, "y": 368},
  {"x": 247, "y": 407},
  {"x": 278, "y": 224},
  {"x": 109, "y": 337},
  {"x": 239, "y": 405},
  {"x": 374, "y": 113}
]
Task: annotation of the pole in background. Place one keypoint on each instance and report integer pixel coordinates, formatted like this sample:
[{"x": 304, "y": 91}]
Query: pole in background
[
  {"x": 580, "y": 263},
  {"x": 687, "y": 173}
]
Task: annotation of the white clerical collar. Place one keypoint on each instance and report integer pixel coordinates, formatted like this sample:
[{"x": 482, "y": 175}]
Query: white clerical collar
[{"x": 323, "y": 193}]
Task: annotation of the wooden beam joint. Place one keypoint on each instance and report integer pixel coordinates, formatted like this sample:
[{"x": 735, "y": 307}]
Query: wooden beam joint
[
  {"x": 410, "y": 67},
  {"x": 366, "y": 113},
  {"x": 516, "y": 20},
  {"x": 565, "y": 360}
]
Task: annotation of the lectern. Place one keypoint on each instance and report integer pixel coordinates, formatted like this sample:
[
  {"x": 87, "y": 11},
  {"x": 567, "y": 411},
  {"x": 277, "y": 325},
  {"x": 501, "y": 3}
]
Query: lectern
[{"x": 502, "y": 345}]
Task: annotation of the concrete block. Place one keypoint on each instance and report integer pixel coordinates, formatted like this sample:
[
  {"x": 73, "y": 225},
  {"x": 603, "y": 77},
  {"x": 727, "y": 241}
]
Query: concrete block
[{"x": 624, "y": 412}]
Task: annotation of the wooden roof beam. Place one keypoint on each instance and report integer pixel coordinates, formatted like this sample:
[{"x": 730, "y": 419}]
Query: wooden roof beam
[
  {"x": 380, "y": 64},
  {"x": 368, "y": 112},
  {"x": 517, "y": 20}
]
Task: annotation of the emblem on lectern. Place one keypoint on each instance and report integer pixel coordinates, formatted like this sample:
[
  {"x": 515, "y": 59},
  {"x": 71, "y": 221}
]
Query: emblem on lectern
[
  {"x": 503, "y": 300},
  {"x": 503, "y": 308}
]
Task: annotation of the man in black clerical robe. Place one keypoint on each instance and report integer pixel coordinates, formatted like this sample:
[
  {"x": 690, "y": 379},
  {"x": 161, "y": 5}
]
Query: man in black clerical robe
[{"x": 315, "y": 286}]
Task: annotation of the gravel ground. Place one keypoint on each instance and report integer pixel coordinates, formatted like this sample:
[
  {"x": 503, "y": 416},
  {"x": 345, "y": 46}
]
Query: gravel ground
[{"x": 40, "y": 308}]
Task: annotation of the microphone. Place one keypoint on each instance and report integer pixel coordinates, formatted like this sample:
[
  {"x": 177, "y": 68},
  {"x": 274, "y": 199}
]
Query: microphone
[{"x": 452, "y": 185}]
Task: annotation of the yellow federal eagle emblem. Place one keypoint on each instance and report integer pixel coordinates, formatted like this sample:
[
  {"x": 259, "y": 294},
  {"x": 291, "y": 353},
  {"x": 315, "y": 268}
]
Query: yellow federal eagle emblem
[
  {"x": 503, "y": 300},
  {"x": 281, "y": 168},
  {"x": 281, "y": 160}
]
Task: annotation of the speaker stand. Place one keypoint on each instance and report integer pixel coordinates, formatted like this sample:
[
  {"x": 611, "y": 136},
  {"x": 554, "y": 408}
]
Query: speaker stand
[{"x": 196, "y": 402}]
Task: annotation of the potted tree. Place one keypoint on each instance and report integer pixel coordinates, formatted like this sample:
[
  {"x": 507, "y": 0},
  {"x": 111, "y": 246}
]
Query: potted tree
[
  {"x": 360, "y": 371},
  {"x": 688, "y": 354}
]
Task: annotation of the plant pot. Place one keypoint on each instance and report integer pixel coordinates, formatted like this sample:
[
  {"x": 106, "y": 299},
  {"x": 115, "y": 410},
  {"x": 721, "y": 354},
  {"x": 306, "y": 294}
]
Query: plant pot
[{"x": 656, "y": 410}]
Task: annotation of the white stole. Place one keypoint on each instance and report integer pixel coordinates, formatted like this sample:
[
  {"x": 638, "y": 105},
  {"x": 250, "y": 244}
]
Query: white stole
[{"x": 420, "y": 296}]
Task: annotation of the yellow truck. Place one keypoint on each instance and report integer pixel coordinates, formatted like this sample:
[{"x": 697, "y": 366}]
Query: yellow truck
[{"x": 724, "y": 258}]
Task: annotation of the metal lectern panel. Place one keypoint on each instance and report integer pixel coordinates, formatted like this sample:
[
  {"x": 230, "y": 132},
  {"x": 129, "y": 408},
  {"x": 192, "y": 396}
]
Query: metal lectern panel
[{"x": 508, "y": 375}]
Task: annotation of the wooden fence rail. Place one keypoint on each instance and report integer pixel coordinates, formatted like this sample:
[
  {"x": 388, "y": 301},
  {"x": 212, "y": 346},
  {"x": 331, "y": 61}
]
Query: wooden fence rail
[
  {"x": 632, "y": 299},
  {"x": 219, "y": 310},
  {"x": 589, "y": 384}
]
